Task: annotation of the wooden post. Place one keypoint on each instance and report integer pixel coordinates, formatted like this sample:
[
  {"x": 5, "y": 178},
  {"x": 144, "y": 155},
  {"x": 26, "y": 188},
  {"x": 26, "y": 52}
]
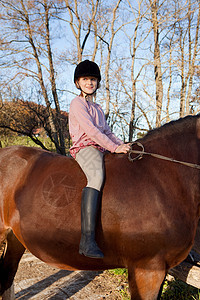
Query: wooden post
[{"x": 188, "y": 273}]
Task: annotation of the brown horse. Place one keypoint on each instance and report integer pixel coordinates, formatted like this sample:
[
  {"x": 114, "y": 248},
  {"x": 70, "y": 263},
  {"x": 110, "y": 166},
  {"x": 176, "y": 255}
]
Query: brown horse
[{"x": 149, "y": 213}]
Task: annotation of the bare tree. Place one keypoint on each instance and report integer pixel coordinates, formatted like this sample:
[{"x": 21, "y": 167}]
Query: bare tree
[
  {"x": 193, "y": 50},
  {"x": 26, "y": 42},
  {"x": 185, "y": 56},
  {"x": 60, "y": 130},
  {"x": 109, "y": 43},
  {"x": 139, "y": 14},
  {"x": 80, "y": 22},
  {"x": 148, "y": 52},
  {"x": 157, "y": 60}
]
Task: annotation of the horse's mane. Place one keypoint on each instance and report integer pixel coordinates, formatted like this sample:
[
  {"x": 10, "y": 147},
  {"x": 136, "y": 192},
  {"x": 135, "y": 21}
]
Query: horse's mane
[{"x": 179, "y": 126}]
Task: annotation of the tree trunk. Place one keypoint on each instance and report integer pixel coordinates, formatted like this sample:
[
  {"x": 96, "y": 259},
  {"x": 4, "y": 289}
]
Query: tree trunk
[
  {"x": 192, "y": 60},
  {"x": 157, "y": 62},
  {"x": 58, "y": 120},
  {"x": 107, "y": 80},
  {"x": 40, "y": 78}
]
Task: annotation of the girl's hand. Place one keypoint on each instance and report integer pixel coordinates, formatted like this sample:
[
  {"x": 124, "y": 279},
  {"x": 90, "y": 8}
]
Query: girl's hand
[{"x": 123, "y": 148}]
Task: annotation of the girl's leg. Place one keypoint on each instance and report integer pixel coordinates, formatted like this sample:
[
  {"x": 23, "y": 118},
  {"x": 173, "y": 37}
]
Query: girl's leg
[{"x": 91, "y": 162}]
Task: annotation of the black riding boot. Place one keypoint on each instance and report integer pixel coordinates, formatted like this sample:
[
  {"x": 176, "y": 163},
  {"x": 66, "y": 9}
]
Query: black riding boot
[{"x": 89, "y": 207}]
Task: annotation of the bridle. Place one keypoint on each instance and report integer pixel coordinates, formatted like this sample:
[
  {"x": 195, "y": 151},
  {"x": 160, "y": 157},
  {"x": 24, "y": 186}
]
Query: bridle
[{"x": 142, "y": 152}]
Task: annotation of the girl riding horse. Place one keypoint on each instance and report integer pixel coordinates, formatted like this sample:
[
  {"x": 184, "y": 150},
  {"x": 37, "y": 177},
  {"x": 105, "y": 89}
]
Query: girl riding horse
[{"x": 91, "y": 137}]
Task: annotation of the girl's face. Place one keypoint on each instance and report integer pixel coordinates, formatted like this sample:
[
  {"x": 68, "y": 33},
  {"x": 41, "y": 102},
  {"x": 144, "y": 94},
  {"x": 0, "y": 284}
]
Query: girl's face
[{"x": 88, "y": 85}]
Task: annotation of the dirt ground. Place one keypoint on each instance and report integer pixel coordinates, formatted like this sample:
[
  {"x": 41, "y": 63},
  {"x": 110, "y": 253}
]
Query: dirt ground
[{"x": 37, "y": 280}]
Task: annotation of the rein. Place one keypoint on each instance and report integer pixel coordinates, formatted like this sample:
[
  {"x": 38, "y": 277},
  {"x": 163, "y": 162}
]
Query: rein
[{"x": 142, "y": 152}]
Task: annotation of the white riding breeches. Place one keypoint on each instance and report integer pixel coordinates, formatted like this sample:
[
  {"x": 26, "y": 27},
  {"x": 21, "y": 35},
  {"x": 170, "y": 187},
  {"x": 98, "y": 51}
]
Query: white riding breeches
[{"x": 91, "y": 162}]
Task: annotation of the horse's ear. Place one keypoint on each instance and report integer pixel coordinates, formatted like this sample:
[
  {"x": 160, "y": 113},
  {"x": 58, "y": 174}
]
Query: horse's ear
[{"x": 198, "y": 128}]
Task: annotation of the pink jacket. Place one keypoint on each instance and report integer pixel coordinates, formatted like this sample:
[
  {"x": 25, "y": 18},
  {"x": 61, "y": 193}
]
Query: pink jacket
[{"x": 88, "y": 126}]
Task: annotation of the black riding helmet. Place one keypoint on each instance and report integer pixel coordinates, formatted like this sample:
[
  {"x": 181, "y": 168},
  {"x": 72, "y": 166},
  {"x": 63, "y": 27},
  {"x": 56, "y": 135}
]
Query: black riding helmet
[{"x": 87, "y": 68}]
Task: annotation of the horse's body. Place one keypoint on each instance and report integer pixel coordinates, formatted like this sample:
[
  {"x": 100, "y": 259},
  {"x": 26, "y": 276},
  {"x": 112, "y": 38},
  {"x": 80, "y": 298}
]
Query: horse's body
[{"x": 149, "y": 213}]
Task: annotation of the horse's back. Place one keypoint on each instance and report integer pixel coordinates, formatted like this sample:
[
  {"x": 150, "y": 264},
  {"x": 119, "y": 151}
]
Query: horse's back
[
  {"x": 31, "y": 178},
  {"x": 42, "y": 200}
]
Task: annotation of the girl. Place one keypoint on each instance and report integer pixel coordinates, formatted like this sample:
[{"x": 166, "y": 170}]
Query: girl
[{"x": 91, "y": 137}]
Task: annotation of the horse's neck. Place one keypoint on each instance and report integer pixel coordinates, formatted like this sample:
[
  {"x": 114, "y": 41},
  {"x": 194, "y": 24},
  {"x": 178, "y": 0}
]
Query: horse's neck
[{"x": 176, "y": 144}]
